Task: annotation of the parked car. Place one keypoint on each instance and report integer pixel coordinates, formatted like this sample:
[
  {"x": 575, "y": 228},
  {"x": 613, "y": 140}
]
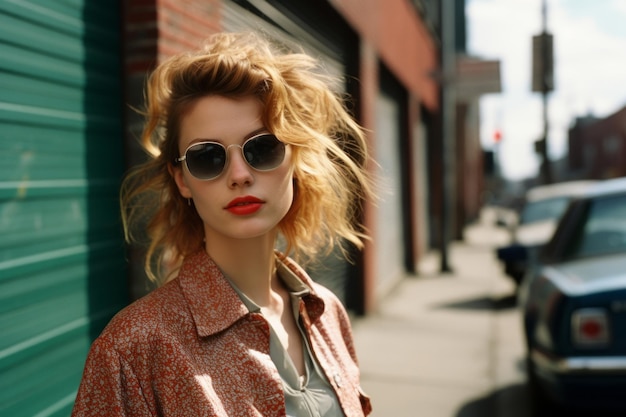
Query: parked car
[
  {"x": 540, "y": 212},
  {"x": 574, "y": 306}
]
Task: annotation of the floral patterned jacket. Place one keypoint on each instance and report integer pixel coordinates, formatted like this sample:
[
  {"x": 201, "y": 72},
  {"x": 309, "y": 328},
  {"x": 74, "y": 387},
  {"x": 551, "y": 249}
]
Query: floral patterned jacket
[{"x": 192, "y": 348}]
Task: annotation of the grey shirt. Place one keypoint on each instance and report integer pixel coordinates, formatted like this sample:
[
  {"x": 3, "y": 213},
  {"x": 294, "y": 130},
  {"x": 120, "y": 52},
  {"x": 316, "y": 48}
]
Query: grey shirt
[{"x": 308, "y": 395}]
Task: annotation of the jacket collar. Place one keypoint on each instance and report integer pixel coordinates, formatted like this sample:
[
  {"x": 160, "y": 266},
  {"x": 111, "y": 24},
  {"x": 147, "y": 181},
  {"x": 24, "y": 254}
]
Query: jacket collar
[{"x": 215, "y": 305}]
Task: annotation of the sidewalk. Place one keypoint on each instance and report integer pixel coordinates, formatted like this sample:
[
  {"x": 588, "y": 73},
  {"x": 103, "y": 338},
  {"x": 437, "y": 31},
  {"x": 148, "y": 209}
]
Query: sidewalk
[{"x": 432, "y": 347}]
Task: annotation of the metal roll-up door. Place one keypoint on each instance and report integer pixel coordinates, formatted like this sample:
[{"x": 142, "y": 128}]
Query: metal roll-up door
[
  {"x": 389, "y": 239},
  {"x": 62, "y": 267},
  {"x": 267, "y": 17}
]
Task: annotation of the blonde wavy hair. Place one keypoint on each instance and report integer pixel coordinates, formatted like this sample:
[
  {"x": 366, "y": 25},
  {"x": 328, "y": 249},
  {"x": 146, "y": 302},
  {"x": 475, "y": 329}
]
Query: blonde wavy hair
[{"x": 329, "y": 151}]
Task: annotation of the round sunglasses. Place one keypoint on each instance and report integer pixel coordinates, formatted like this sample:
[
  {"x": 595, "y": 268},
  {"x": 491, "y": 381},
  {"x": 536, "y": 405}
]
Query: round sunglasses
[{"x": 207, "y": 160}]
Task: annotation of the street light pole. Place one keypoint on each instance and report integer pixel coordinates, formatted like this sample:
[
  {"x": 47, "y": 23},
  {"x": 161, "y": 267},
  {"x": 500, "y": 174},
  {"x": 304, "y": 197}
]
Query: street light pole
[{"x": 448, "y": 127}]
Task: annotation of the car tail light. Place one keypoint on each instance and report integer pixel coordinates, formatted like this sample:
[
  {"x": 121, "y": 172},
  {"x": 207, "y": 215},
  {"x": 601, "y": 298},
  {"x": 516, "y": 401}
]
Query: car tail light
[{"x": 590, "y": 327}]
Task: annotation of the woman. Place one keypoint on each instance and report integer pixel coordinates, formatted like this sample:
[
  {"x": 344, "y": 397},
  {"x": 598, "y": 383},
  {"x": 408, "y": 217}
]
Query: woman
[{"x": 250, "y": 145}]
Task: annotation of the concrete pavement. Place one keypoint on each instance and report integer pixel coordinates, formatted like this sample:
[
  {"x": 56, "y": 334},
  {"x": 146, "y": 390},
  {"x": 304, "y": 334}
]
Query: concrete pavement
[{"x": 447, "y": 345}]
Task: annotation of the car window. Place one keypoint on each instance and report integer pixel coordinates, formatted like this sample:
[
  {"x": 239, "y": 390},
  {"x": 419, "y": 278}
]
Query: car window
[
  {"x": 603, "y": 231},
  {"x": 540, "y": 210}
]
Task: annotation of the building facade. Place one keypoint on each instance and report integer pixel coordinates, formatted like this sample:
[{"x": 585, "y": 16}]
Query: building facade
[
  {"x": 597, "y": 147},
  {"x": 69, "y": 78}
]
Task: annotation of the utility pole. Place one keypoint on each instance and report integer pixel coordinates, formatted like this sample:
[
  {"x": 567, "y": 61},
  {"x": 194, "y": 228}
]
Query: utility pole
[
  {"x": 543, "y": 82},
  {"x": 448, "y": 128}
]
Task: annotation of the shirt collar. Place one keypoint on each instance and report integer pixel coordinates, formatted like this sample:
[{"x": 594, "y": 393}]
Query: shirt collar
[
  {"x": 215, "y": 305},
  {"x": 295, "y": 286}
]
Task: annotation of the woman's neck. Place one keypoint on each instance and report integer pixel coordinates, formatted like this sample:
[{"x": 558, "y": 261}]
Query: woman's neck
[{"x": 249, "y": 263}]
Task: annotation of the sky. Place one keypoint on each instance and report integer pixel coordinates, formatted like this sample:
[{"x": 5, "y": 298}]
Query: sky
[{"x": 590, "y": 72}]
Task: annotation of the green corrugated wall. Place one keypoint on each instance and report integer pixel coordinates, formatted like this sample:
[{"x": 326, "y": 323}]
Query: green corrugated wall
[{"x": 62, "y": 265}]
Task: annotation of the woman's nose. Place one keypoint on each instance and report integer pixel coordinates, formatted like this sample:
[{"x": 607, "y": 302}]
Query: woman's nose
[{"x": 238, "y": 171}]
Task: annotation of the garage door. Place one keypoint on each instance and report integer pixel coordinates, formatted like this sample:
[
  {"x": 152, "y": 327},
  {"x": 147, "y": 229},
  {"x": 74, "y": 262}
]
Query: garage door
[{"x": 62, "y": 273}]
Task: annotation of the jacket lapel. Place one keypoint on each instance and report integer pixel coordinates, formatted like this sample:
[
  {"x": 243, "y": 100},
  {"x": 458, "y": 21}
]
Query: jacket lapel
[{"x": 214, "y": 304}]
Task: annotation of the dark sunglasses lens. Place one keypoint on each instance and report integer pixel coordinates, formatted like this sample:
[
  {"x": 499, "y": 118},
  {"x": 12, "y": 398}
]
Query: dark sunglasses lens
[
  {"x": 264, "y": 152},
  {"x": 206, "y": 160}
]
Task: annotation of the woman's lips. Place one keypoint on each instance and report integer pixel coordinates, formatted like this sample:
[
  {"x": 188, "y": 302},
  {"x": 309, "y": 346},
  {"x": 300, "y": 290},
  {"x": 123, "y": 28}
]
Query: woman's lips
[{"x": 243, "y": 206}]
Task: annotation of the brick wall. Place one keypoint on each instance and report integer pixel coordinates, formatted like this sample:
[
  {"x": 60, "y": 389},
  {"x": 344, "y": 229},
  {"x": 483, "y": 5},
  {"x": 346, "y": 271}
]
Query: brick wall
[
  {"x": 157, "y": 29},
  {"x": 184, "y": 24},
  {"x": 597, "y": 147}
]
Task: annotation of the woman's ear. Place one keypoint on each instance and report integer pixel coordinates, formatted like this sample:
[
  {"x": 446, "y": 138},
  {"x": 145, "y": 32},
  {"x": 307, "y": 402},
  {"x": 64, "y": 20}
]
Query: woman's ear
[{"x": 177, "y": 173}]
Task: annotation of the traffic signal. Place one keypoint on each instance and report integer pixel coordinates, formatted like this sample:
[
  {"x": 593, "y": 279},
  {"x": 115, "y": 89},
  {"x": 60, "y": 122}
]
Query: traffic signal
[{"x": 497, "y": 136}]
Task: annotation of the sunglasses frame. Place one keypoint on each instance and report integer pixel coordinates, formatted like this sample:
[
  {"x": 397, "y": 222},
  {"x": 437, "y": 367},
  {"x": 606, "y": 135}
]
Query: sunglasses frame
[{"x": 182, "y": 158}]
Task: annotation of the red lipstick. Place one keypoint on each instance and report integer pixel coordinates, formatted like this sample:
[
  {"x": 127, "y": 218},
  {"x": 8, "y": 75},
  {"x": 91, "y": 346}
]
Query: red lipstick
[{"x": 243, "y": 206}]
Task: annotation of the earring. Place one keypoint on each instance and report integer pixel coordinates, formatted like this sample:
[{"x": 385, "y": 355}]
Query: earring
[{"x": 189, "y": 202}]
